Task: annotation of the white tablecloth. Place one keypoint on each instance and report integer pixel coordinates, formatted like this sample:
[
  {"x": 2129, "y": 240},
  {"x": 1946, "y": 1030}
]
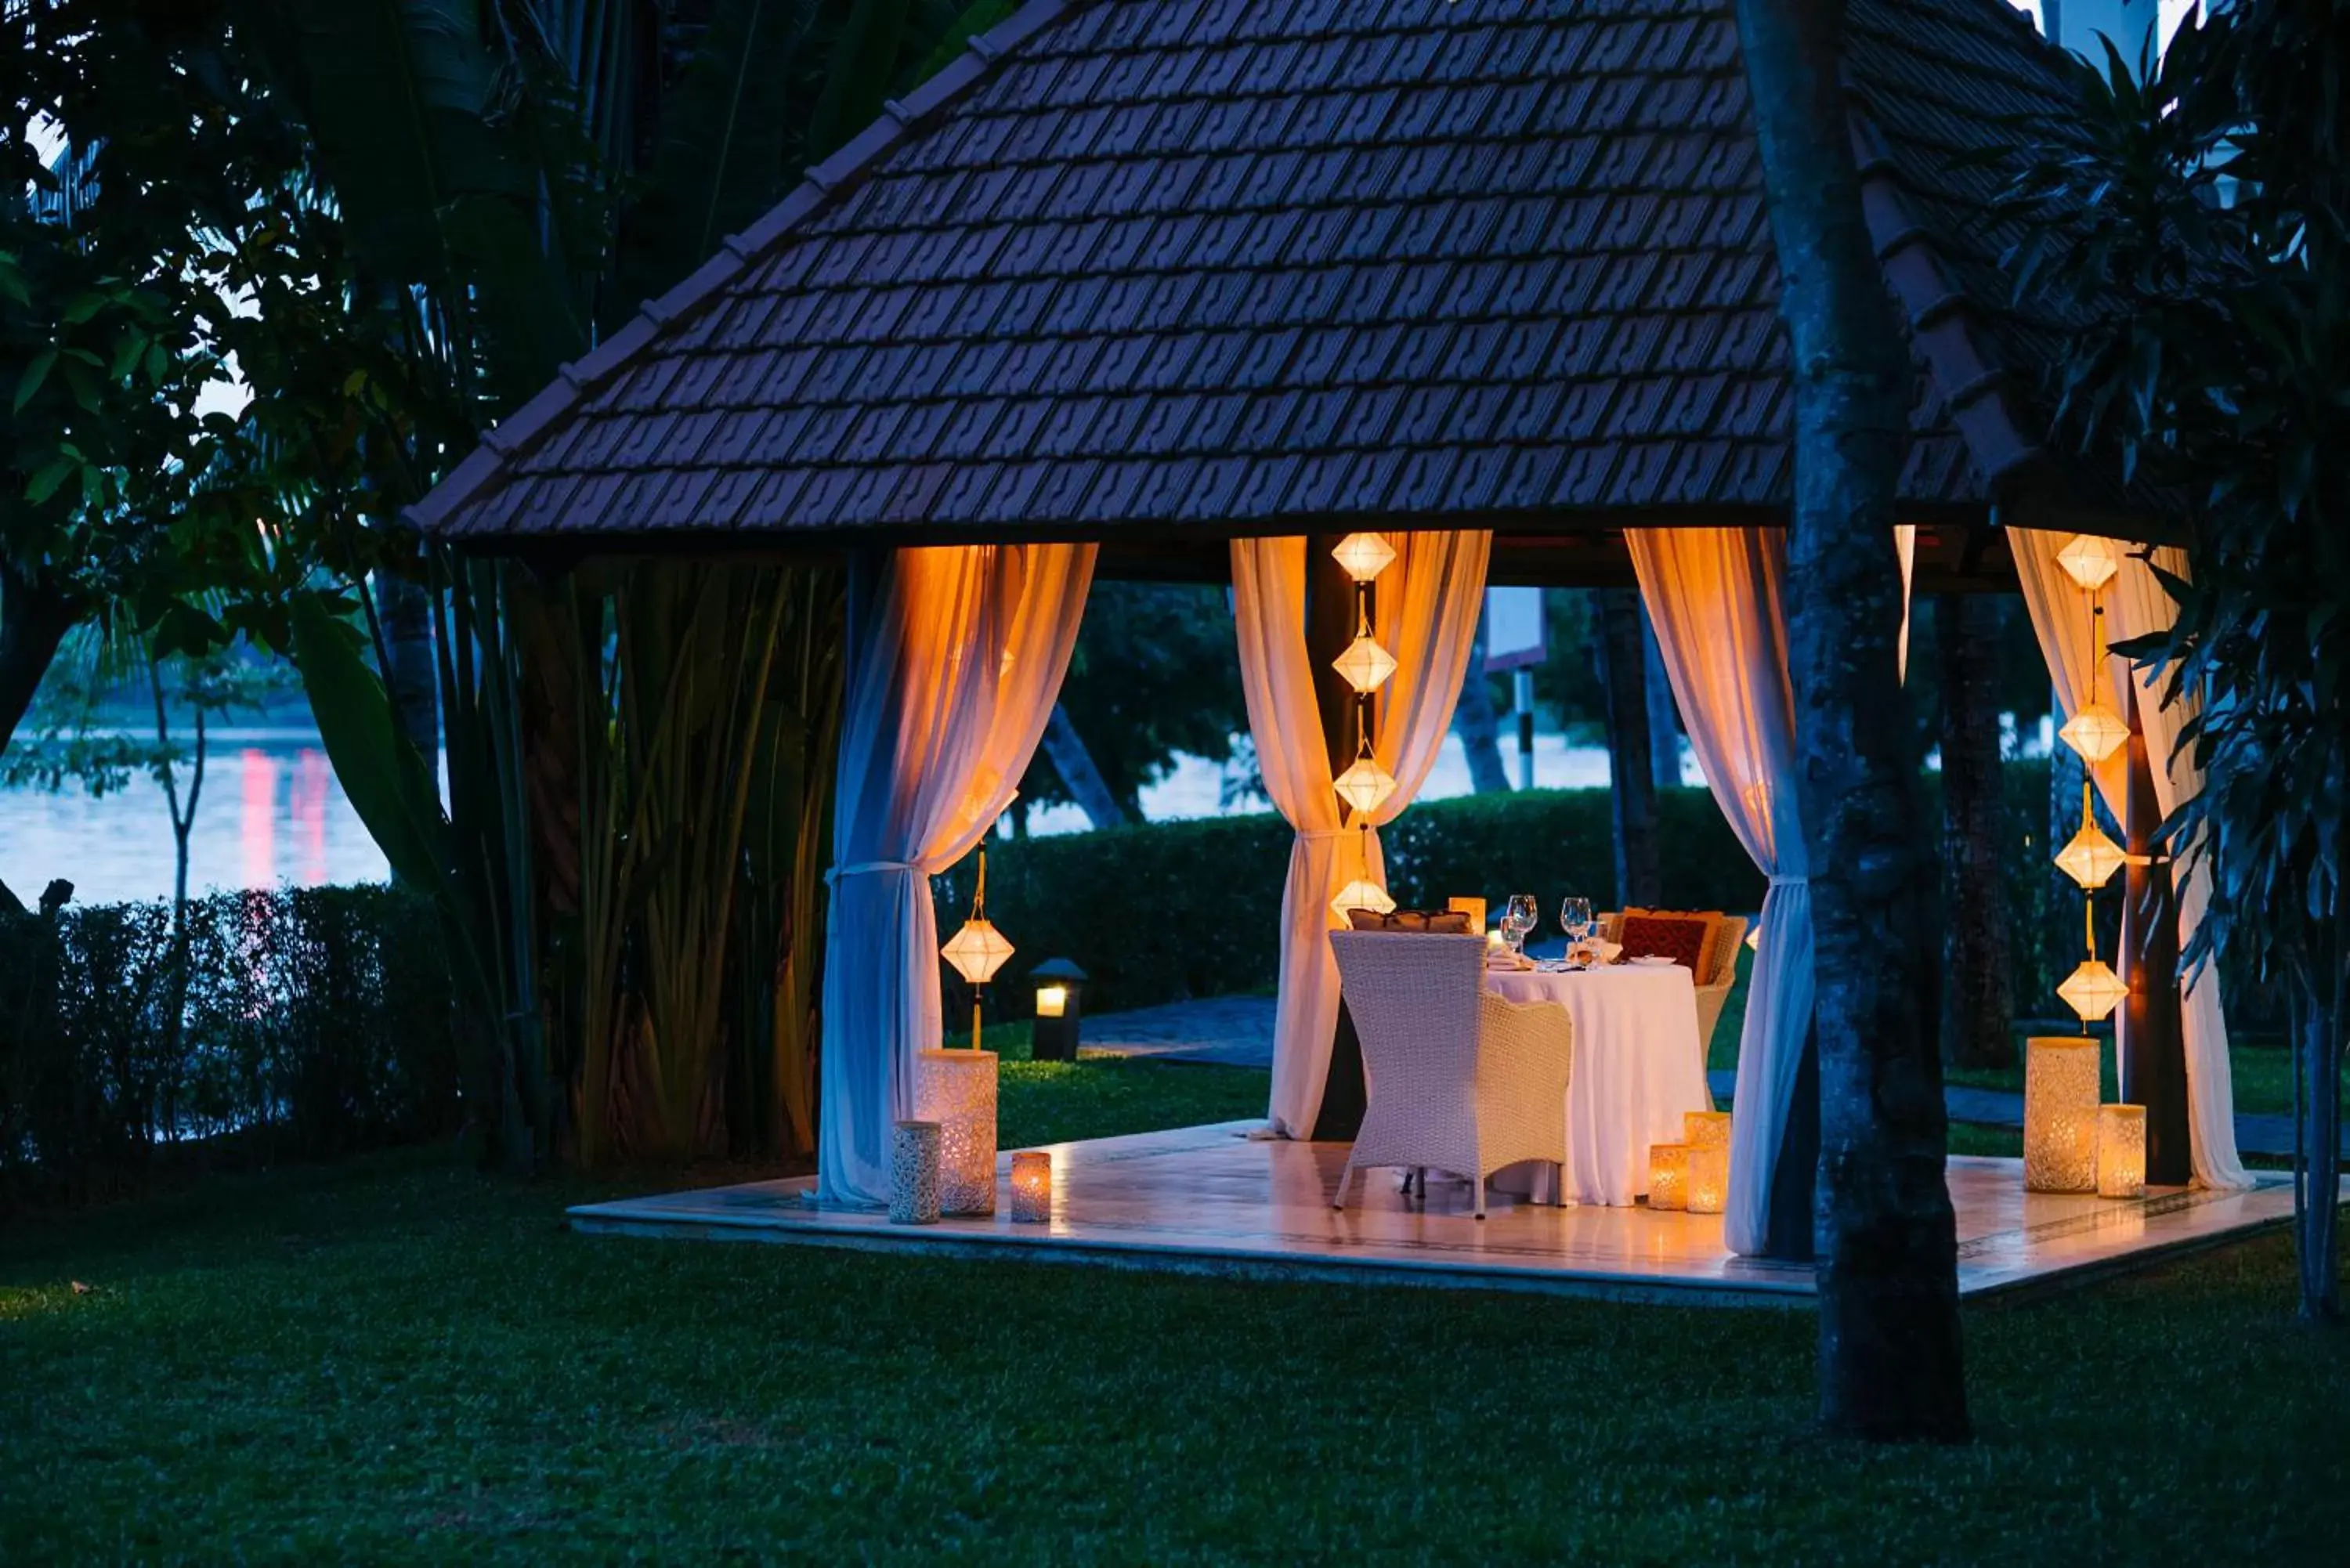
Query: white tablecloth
[{"x": 1638, "y": 1068}]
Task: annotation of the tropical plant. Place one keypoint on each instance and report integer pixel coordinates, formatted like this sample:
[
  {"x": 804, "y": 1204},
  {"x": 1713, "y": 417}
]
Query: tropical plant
[{"x": 2201, "y": 228}]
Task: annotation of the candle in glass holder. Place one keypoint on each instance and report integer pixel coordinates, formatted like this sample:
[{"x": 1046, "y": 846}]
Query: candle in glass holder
[
  {"x": 1669, "y": 1175},
  {"x": 2121, "y": 1151},
  {"x": 1708, "y": 1178},
  {"x": 1705, "y": 1129},
  {"x": 1031, "y": 1187}
]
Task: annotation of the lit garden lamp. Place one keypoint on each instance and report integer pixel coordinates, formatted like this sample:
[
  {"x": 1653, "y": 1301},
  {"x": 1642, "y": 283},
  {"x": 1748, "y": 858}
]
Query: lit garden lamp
[{"x": 1060, "y": 992}]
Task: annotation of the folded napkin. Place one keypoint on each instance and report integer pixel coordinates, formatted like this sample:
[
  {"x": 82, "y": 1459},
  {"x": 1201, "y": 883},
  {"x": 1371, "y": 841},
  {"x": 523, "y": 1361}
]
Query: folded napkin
[{"x": 1508, "y": 961}]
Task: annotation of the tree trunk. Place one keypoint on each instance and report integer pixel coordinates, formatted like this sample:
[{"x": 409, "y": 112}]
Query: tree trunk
[
  {"x": 1632, "y": 783},
  {"x": 1978, "y": 974},
  {"x": 2317, "y": 1210},
  {"x": 1084, "y": 782},
  {"x": 1479, "y": 727},
  {"x": 1889, "y": 1361},
  {"x": 406, "y": 609},
  {"x": 35, "y": 617}
]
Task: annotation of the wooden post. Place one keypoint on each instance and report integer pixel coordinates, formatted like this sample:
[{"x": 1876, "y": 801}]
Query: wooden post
[
  {"x": 2152, "y": 1046},
  {"x": 1329, "y": 627}
]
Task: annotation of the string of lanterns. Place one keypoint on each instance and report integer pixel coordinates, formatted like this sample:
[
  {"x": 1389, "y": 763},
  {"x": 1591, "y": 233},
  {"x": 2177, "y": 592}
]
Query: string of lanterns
[
  {"x": 2094, "y": 733},
  {"x": 1366, "y": 666}
]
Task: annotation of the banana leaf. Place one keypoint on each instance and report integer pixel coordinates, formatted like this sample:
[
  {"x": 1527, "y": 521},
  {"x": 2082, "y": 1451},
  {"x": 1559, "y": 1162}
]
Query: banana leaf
[{"x": 382, "y": 773}]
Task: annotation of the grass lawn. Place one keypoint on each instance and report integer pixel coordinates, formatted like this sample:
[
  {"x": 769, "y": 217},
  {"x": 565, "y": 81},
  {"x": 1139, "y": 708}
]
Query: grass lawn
[{"x": 391, "y": 1358}]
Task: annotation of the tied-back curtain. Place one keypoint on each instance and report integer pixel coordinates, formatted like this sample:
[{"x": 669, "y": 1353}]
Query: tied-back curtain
[
  {"x": 2137, "y": 605},
  {"x": 955, "y": 658},
  {"x": 1427, "y": 602},
  {"x": 1714, "y": 595}
]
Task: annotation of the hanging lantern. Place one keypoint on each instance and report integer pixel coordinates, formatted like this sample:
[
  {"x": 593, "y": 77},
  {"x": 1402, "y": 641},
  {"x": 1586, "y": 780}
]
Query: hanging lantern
[
  {"x": 2096, "y": 731},
  {"x": 2091, "y": 858},
  {"x": 2089, "y": 561},
  {"x": 1364, "y": 786},
  {"x": 977, "y": 951},
  {"x": 1361, "y": 894},
  {"x": 2093, "y": 990},
  {"x": 1364, "y": 555},
  {"x": 1366, "y": 665}
]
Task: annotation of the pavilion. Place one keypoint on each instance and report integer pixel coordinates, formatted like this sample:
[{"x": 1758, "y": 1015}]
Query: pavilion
[{"x": 1159, "y": 289}]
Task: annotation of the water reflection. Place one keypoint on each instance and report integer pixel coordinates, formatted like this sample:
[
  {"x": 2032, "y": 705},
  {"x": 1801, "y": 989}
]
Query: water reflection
[{"x": 272, "y": 812}]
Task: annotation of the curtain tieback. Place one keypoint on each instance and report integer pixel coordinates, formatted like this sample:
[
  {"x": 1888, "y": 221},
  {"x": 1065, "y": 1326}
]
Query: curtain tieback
[
  {"x": 1791, "y": 881},
  {"x": 863, "y": 868},
  {"x": 1316, "y": 836}
]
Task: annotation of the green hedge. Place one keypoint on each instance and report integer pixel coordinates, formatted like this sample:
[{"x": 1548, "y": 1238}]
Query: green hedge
[
  {"x": 302, "y": 1022},
  {"x": 1171, "y": 910}
]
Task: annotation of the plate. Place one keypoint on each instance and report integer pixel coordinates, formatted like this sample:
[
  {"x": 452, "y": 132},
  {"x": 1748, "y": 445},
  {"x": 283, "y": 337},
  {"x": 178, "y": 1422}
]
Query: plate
[{"x": 1651, "y": 961}]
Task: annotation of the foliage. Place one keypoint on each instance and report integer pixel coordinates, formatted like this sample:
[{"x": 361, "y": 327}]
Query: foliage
[
  {"x": 2201, "y": 231},
  {"x": 1154, "y": 673},
  {"x": 392, "y": 1360},
  {"x": 155, "y": 163},
  {"x": 309, "y": 1021}
]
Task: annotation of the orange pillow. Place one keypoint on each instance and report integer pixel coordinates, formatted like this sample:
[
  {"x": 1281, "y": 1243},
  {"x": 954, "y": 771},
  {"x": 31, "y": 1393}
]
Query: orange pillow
[{"x": 1676, "y": 936}]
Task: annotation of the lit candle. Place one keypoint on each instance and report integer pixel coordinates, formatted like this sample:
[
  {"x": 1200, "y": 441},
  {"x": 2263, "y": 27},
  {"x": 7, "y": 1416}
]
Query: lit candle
[
  {"x": 1708, "y": 1178},
  {"x": 1669, "y": 1175},
  {"x": 2121, "y": 1151},
  {"x": 1031, "y": 1187},
  {"x": 1705, "y": 1129}
]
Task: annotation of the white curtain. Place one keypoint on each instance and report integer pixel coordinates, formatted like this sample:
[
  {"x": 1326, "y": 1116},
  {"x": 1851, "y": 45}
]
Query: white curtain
[
  {"x": 955, "y": 658},
  {"x": 1428, "y": 601},
  {"x": 2137, "y": 606},
  {"x": 1714, "y": 595}
]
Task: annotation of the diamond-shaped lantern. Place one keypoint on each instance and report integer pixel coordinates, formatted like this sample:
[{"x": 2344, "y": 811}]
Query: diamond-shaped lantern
[
  {"x": 1364, "y": 786},
  {"x": 2091, "y": 859},
  {"x": 1364, "y": 555},
  {"x": 2093, "y": 990},
  {"x": 2097, "y": 733},
  {"x": 2089, "y": 561},
  {"x": 1361, "y": 894},
  {"x": 977, "y": 951},
  {"x": 1366, "y": 665}
]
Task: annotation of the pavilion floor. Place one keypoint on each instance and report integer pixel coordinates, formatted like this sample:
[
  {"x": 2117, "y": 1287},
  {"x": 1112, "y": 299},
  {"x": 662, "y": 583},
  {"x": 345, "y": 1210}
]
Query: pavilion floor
[{"x": 1209, "y": 1199}]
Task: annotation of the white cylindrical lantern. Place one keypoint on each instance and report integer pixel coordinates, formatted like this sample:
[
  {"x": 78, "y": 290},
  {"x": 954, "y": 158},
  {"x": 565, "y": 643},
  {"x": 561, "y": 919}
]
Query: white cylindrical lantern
[
  {"x": 956, "y": 1089},
  {"x": 1668, "y": 1175},
  {"x": 2121, "y": 1151},
  {"x": 1031, "y": 1187},
  {"x": 2060, "y": 1114},
  {"x": 1705, "y": 1129},
  {"x": 1708, "y": 1178},
  {"x": 914, "y": 1173}
]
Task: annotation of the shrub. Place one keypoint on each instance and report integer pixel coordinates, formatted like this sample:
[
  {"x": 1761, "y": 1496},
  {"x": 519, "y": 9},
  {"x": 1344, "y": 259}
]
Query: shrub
[{"x": 302, "y": 1022}]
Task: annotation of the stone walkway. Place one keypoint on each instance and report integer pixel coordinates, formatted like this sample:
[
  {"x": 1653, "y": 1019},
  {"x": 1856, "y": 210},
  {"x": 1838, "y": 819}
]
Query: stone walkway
[{"x": 1237, "y": 1031}]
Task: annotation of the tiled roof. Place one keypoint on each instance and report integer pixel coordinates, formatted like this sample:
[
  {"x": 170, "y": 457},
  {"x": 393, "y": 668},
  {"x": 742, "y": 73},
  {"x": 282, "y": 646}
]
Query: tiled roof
[{"x": 1238, "y": 265}]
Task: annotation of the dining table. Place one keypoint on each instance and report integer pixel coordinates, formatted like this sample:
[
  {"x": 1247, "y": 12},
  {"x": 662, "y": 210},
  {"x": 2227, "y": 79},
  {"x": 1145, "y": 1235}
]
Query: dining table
[{"x": 1637, "y": 1066}]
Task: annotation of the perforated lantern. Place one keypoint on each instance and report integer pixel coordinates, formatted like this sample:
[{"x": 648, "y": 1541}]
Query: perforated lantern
[
  {"x": 1361, "y": 894},
  {"x": 2097, "y": 733},
  {"x": 2121, "y": 1151},
  {"x": 1708, "y": 1178},
  {"x": 1060, "y": 995},
  {"x": 1031, "y": 1187},
  {"x": 1364, "y": 786},
  {"x": 1365, "y": 665},
  {"x": 956, "y": 1089},
  {"x": 2089, "y": 561},
  {"x": 1668, "y": 1175},
  {"x": 1364, "y": 555},
  {"x": 2060, "y": 1114},
  {"x": 2091, "y": 859},
  {"x": 1705, "y": 1129},
  {"x": 2093, "y": 990}
]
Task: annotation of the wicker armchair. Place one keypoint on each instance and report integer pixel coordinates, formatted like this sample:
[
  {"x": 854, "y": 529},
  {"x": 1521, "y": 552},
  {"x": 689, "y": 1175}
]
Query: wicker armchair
[
  {"x": 1459, "y": 1079},
  {"x": 1720, "y": 961}
]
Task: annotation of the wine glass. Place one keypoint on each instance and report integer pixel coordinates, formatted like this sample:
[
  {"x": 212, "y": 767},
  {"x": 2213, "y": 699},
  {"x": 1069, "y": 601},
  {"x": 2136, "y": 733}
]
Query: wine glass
[
  {"x": 1519, "y": 917},
  {"x": 1575, "y": 918}
]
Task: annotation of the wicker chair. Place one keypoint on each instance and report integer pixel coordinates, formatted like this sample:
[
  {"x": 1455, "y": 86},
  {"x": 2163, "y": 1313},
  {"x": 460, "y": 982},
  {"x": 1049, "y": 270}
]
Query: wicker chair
[
  {"x": 1721, "y": 957},
  {"x": 1459, "y": 1079}
]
